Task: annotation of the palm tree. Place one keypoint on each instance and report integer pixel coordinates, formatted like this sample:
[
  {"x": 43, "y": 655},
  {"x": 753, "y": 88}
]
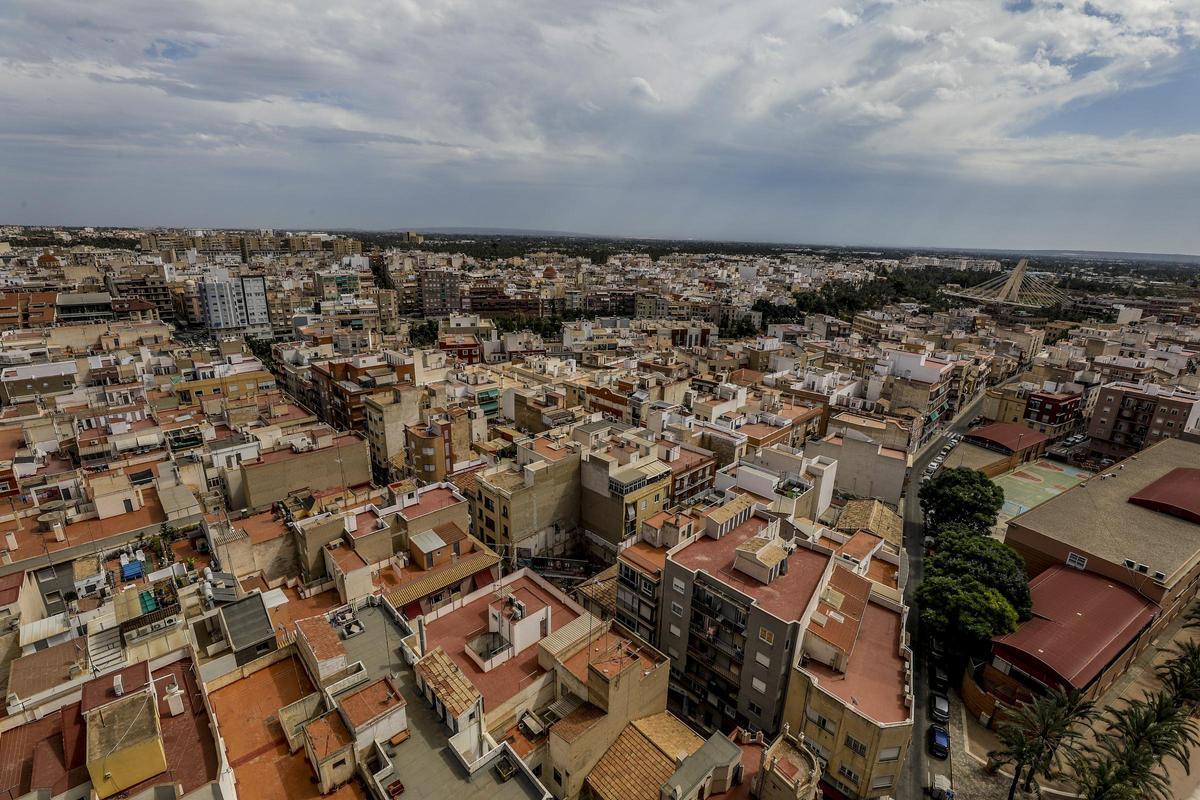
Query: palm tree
[
  {"x": 1181, "y": 675},
  {"x": 1191, "y": 617},
  {"x": 1157, "y": 726},
  {"x": 1038, "y": 733},
  {"x": 1126, "y": 760}
]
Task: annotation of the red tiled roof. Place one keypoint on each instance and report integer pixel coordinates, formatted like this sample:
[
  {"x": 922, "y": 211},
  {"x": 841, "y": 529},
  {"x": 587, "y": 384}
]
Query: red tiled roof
[
  {"x": 1177, "y": 493},
  {"x": 1081, "y": 621}
]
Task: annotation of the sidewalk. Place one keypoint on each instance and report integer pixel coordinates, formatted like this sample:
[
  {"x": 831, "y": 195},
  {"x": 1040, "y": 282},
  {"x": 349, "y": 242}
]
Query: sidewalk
[{"x": 977, "y": 740}]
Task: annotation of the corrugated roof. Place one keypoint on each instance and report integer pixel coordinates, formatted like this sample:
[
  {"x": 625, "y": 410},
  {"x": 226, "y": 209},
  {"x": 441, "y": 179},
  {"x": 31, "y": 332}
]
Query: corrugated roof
[
  {"x": 1177, "y": 493},
  {"x": 1008, "y": 435},
  {"x": 1081, "y": 621},
  {"x": 577, "y": 630}
]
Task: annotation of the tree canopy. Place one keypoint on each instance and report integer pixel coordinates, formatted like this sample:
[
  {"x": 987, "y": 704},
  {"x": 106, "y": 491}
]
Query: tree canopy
[
  {"x": 963, "y": 610},
  {"x": 964, "y": 552},
  {"x": 961, "y": 496}
]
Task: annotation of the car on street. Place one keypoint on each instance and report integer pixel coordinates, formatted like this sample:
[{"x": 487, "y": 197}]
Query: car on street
[
  {"x": 939, "y": 708},
  {"x": 937, "y": 648},
  {"x": 938, "y": 742},
  {"x": 939, "y": 679}
]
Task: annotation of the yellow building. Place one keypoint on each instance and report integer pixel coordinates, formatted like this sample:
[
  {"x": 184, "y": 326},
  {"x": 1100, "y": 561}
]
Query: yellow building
[
  {"x": 124, "y": 742},
  {"x": 231, "y": 387},
  {"x": 849, "y": 696}
]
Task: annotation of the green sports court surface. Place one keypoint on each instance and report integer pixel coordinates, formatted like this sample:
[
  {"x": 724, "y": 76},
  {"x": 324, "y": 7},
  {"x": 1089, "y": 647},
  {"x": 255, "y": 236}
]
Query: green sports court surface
[{"x": 1034, "y": 483}]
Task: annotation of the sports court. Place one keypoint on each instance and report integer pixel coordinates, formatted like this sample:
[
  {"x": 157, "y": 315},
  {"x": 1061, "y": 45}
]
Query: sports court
[{"x": 1034, "y": 483}]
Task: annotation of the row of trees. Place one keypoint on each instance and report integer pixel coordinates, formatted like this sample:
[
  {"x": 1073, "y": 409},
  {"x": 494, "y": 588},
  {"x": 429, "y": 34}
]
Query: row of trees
[
  {"x": 1125, "y": 758},
  {"x": 974, "y": 586}
]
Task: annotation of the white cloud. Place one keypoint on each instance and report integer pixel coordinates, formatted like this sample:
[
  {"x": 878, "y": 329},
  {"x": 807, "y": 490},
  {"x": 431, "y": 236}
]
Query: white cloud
[
  {"x": 514, "y": 90},
  {"x": 840, "y": 17},
  {"x": 641, "y": 88}
]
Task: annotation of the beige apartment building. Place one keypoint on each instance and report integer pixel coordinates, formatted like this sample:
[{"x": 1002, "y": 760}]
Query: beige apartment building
[
  {"x": 388, "y": 415},
  {"x": 530, "y": 504},
  {"x": 849, "y": 694}
]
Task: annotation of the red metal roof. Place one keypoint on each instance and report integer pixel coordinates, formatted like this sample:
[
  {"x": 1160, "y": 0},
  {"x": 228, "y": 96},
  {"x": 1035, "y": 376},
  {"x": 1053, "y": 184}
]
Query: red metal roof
[
  {"x": 1008, "y": 435},
  {"x": 1081, "y": 621},
  {"x": 1177, "y": 493}
]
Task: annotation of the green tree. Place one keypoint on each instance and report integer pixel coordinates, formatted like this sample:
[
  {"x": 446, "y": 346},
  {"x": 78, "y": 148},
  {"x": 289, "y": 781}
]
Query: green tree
[
  {"x": 961, "y": 496},
  {"x": 423, "y": 333},
  {"x": 963, "y": 610},
  {"x": 1191, "y": 617},
  {"x": 1040, "y": 734},
  {"x": 1128, "y": 760},
  {"x": 964, "y": 551},
  {"x": 1180, "y": 675}
]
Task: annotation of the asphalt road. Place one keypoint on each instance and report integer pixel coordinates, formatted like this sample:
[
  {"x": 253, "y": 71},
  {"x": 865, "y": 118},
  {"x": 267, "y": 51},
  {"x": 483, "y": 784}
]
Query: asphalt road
[{"x": 913, "y": 778}]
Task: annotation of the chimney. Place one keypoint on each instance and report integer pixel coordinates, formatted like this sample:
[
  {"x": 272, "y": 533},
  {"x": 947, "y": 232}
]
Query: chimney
[
  {"x": 10, "y": 540},
  {"x": 57, "y": 527},
  {"x": 174, "y": 697},
  {"x": 421, "y": 632},
  {"x": 118, "y": 685}
]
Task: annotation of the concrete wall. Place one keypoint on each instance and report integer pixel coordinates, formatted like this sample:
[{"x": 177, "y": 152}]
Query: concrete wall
[{"x": 316, "y": 469}]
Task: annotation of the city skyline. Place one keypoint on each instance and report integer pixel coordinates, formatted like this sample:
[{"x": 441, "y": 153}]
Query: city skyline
[{"x": 1011, "y": 126}]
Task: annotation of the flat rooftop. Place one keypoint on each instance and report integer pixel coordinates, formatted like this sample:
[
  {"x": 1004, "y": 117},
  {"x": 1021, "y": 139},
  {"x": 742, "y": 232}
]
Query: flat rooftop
[
  {"x": 263, "y": 767},
  {"x": 786, "y": 597},
  {"x": 430, "y": 501},
  {"x": 873, "y": 683},
  {"x": 452, "y": 632},
  {"x": 1095, "y": 517},
  {"x": 611, "y": 653},
  {"x": 425, "y": 763}
]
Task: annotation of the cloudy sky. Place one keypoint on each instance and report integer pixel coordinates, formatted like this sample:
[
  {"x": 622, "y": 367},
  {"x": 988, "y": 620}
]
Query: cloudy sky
[{"x": 1017, "y": 124}]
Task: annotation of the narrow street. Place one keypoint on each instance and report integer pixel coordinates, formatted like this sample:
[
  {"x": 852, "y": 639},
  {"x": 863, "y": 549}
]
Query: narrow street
[{"x": 913, "y": 778}]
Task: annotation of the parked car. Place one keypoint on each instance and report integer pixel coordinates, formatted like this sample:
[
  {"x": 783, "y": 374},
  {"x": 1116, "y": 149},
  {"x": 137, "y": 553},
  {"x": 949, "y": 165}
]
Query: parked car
[
  {"x": 939, "y": 708},
  {"x": 937, "y": 648},
  {"x": 938, "y": 742},
  {"x": 939, "y": 679}
]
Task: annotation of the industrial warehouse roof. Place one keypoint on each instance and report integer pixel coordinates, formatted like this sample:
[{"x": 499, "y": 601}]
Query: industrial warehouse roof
[
  {"x": 1096, "y": 518},
  {"x": 1081, "y": 621},
  {"x": 1177, "y": 493}
]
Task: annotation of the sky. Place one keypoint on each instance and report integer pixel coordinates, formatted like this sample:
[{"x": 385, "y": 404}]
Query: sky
[{"x": 952, "y": 123}]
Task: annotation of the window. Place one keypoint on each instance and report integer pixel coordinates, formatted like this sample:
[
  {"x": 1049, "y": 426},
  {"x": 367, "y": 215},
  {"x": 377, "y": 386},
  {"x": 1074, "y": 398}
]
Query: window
[
  {"x": 677, "y": 609},
  {"x": 558, "y": 777},
  {"x": 889, "y": 754},
  {"x": 818, "y": 720},
  {"x": 882, "y": 782},
  {"x": 341, "y": 762},
  {"x": 762, "y": 658},
  {"x": 758, "y": 686},
  {"x": 1077, "y": 561},
  {"x": 674, "y": 629},
  {"x": 766, "y": 635},
  {"x": 678, "y": 585},
  {"x": 848, "y": 773},
  {"x": 755, "y": 709},
  {"x": 856, "y": 745}
]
